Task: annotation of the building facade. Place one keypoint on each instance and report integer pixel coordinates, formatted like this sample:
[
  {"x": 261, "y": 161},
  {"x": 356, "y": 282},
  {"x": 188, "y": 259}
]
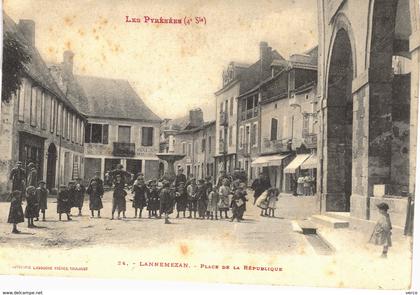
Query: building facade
[
  {"x": 288, "y": 120},
  {"x": 40, "y": 125},
  {"x": 198, "y": 146},
  {"x": 368, "y": 104}
]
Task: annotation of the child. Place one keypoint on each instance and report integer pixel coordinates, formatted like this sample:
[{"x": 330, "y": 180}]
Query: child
[
  {"x": 63, "y": 202},
  {"x": 224, "y": 198},
  {"x": 95, "y": 193},
  {"x": 166, "y": 201},
  {"x": 32, "y": 209},
  {"x": 15, "y": 211},
  {"x": 201, "y": 198},
  {"x": 262, "y": 203},
  {"x": 141, "y": 194},
  {"x": 238, "y": 203},
  {"x": 79, "y": 195},
  {"x": 153, "y": 201},
  {"x": 118, "y": 201},
  {"x": 181, "y": 199},
  {"x": 213, "y": 201},
  {"x": 382, "y": 232},
  {"x": 273, "y": 194},
  {"x": 42, "y": 195},
  {"x": 71, "y": 194},
  {"x": 192, "y": 198}
]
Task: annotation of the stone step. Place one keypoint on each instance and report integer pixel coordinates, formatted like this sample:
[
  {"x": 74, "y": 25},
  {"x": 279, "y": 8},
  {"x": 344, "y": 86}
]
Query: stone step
[
  {"x": 304, "y": 227},
  {"x": 330, "y": 221}
]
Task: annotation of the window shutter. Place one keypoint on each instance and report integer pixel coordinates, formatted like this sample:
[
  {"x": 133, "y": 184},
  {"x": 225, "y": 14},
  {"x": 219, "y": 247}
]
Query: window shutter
[{"x": 105, "y": 134}]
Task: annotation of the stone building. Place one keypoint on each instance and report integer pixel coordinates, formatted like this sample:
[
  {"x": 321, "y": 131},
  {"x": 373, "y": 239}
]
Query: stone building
[
  {"x": 368, "y": 87},
  {"x": 237, "y": 80},
  {"x": 288, "y": 121},
  {"x": 40, "y": 124},
  {"x": 198, "y": 145}
]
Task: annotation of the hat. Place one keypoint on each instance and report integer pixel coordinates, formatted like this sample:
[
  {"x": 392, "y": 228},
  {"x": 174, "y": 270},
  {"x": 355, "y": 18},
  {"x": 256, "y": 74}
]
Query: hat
[
  {"x": 19, "y": 162},
  {"x": 30, "y": 188},
  {"x": 41, "y": 181},
  {"x": 31, "y": 164},
  {"x": 201, "y": 180},
  {"x": 180, "y": 169},
  {"x": 120, "y": 166},
  {"x": 382, "y": 206}
]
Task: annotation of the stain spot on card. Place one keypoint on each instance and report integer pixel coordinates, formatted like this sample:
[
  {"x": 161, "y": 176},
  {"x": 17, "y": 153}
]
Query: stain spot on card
[{"x": 184, "y": 249}]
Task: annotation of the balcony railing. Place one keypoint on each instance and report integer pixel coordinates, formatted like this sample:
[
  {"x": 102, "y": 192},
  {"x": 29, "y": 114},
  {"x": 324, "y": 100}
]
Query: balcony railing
[
  {"x": 224, "y": 120},
  {"x": 310, "y": 140},
  {"x": 124, "y": 149},
  {"x": 278, "y": 145},
  {"x": 249, "y": 114}
]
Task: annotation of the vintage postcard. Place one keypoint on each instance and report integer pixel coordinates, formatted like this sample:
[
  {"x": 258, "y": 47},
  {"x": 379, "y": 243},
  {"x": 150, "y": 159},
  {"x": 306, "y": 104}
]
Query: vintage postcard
[{"x": 255, "y": 142}]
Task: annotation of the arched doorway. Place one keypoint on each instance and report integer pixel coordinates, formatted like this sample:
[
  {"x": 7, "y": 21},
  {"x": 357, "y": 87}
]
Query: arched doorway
[
  {"x": 51, "y": 166},
  {"x": 339, "y": 124}
]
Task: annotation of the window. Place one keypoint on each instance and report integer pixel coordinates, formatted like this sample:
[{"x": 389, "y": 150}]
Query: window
[
  {"x": 96, "y": 133},
  {"x": 147, "y": 136},
  {"x": 305, "y": 127},
  {"x": 21, "y": 103},
  {"x": 33, "y": 107},
  {"x": 274, "y": 124},
  {"x": 124, "y": 134},
  {"x": 203, "y": 145},
  {"x": 82, "y": 129},
  {"x": 43, "y": 108},
  {"x": 241, "y": 136},
  {"x": 209, "y": 144},
  {"x": 64, "y": 131},
  {"x": 77, "y": 128},
  {"x": 184, "y": 148},
  {"x": 59, "y": 119},
  {"x": 189, "y": 149},
  {"x": 68, "y": 129},
  {"x": 53, "y": 115},
  {"x": 230, "y": 135},
  {"x": 254, "y": 134},
  {"x": 231, "y": 106}
]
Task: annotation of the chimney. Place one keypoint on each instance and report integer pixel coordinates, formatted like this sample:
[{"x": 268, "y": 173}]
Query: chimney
[
  {"x": 196, "y": 118},
  {"x": 265, "y": 60},
  {"x": 68, "y": 63},
  {"x": 27, "y": 27}
]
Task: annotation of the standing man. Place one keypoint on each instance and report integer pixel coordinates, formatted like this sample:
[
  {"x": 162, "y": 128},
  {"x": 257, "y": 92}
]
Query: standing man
[
  {"x": 260, "y": 185},
  {"x": 18, "y": 177},
  {"x": 180, "y": 177},
  {"x": 32, "y": 175}
]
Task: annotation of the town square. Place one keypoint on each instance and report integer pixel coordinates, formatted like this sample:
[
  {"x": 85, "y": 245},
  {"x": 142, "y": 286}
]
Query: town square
[{"x": 211, "y": 144}]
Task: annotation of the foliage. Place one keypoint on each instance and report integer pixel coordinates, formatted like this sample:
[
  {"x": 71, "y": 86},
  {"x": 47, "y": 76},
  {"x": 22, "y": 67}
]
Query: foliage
[{"x": 14, "y": 59}]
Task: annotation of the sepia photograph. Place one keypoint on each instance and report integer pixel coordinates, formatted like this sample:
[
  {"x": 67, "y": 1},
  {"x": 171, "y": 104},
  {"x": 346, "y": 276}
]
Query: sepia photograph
[{"x": 269, "y": 142}]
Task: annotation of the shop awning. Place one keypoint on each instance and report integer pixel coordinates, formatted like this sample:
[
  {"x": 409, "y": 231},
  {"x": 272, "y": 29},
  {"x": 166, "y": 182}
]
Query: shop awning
[
  {"x": 296, "y": 162},
  {"x": 310, "y": 163},
  {"x": 273, "y": 160}
]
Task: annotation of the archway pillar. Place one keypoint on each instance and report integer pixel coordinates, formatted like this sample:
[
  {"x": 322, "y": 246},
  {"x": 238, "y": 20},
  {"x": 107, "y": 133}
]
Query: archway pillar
[{"x": 372, "y": 137}]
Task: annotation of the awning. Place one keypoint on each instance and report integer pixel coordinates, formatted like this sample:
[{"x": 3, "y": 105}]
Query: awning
[
  {"x": 310, "y": 163},
  {"x": 291, "y": 168},
  {"x": 273, "y": 160}
]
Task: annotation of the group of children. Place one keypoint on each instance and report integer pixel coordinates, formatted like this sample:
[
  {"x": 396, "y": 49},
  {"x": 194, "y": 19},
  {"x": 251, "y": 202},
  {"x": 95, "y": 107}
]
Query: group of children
[{"x": 267, "y": 201}]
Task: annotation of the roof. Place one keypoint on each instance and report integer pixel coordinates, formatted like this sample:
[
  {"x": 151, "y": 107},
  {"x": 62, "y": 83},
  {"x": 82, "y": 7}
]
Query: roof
[
  {"x": 196, "y": 129},
  {"x": 177, "y": 123},
  {"x": 111, "y": 98},
  {"x": 36, "y": 69}
]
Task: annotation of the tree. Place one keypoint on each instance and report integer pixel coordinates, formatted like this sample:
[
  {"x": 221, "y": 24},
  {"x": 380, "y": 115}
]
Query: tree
[{"x": 14, "y": 59}]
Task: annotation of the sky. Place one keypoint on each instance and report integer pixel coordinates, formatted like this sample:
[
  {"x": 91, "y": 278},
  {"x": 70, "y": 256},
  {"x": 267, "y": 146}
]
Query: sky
[{"x": 173, "y": 68}]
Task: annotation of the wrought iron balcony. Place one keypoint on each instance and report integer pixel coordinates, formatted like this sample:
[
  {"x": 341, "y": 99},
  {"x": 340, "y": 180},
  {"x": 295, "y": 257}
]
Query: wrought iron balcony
[
  {"x": 224, "y": 120},
  {"x": 124, "y": 149},
  {"x": 310, "y": 140}
]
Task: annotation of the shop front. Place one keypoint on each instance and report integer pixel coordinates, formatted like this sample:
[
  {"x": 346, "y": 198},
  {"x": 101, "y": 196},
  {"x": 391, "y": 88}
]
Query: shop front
[{"x": 272, "y": 166}]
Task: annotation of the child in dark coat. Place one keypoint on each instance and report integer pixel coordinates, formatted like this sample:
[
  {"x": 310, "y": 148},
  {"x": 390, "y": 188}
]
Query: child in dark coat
[
  {"x": 79, "y": 195},
  {"x": 141, "y": 194},
  {"x": 32, "y": 209},
  {"x": 42, "y": 196},
  {"x": 95, "y": 192},
  {"x": 63, "y": 202},
  {"x": 166, "y": 201},
  {"x": 118, "y": 201},
  {"x": 181, "y": 199},
  {"x": 15, "y": 211},
  {"x": 239, "y": 203},
  {"x": 382, "y": 232},
  {"x": 153, "y": 202}
]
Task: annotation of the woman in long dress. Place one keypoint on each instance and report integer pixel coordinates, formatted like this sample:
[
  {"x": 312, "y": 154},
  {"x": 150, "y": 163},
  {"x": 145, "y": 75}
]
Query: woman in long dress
[{"x": 95, "y": 192}]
